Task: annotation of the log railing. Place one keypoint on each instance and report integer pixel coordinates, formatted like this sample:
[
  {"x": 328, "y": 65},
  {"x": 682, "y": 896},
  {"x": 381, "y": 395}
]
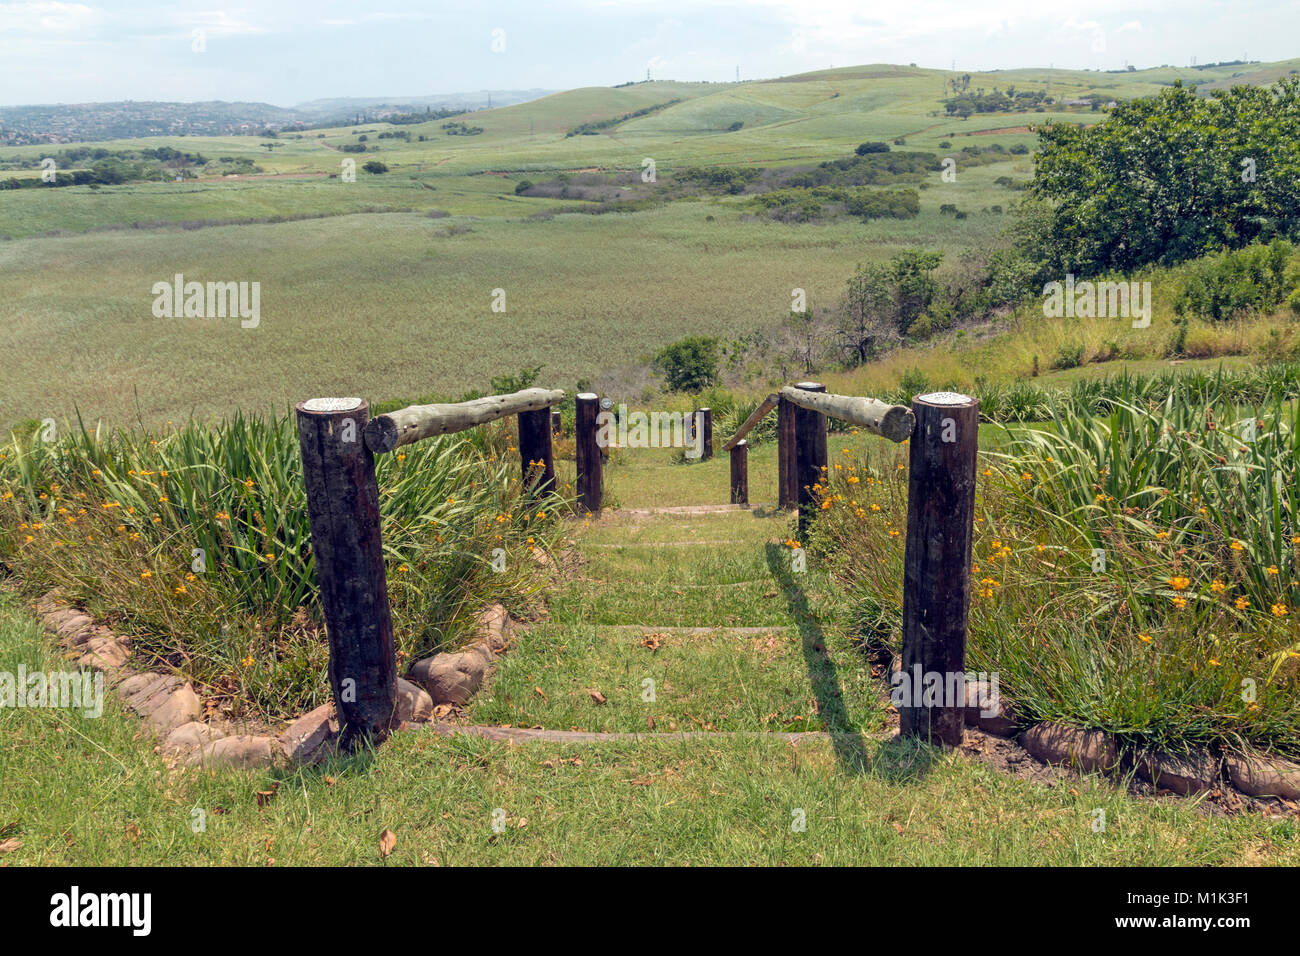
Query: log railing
[
  {"x": 943, "y": 430},
  {"x": 339, "y": 440}
]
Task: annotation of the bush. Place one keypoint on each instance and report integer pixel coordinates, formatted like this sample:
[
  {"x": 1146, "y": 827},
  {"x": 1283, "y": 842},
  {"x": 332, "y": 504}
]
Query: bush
[
  {"x": 866, "y": 148},
  {"x": 690, "y": 364},
  {"x": 523, "y": 186},
  {"x": 1068, "y": 356},
  {"x": 375, "y": 167},
  {"x": 1251, "y": 279}
]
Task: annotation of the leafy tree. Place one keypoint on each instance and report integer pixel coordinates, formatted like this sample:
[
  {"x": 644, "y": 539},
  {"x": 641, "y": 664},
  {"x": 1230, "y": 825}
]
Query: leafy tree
[
  {"x": 883, "y": 301},
  {"x": 1167, "y": 178},
  {"x": 689, "y": 364},
  {"x": 375, "y": 166},
  {"x": 866, "y": 148}
]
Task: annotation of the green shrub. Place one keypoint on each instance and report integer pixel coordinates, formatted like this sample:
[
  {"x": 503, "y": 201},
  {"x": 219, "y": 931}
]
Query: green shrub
[
  {"x": 1226, "y": 285},
  {"x": 1196, "y": 598},
  {"x": 689, "y": 364}
]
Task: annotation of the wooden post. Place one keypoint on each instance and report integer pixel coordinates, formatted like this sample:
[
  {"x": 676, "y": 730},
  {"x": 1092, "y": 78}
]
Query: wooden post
[
  {"x": 587, "y": 452},
  {"x": 556, "y": 421},
  {"x": 810, "y": 454},
  {"x": 936, "y": 565},
  {"x": 706, "y": 419},
  {"x": 787, "y": 482},
  {"x": 535, "y": 448},
  {"x": 343, "y": 514},
  {"x": 740, "y": 473}
]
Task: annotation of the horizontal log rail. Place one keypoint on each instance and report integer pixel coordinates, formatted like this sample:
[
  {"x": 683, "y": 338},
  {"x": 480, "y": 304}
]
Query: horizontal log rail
[
  {"x": 767, "y": 405},
  {"x": 894, "y": 422},
  {"x": 417, "y": 422}
]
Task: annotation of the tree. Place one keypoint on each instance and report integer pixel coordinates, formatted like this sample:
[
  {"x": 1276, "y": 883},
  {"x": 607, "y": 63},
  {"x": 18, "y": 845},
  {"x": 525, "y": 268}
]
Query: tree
[
  {"x": 867, "y": 320},
  {"x": 1167, "y": 178},
  {"x": 689, "y": 364},
  {"x": 375, "y": 166},
  {"x": 882, "y": 302},
  {"x": 867, "y": 148}
]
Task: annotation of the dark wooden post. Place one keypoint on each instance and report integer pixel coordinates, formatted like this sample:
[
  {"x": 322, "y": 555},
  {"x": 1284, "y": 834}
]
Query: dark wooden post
[
  {"x": 936, "y": 565},
  {"x": 343, "y": 514},
  {"x": 810, "y": 454},
  {"x": 535, "y": 450},
  {"x": 740, "y": 473},
  {"x": 556, "y": 421},
  {"x": 587, "y": 452},
  {"x": 706, "y": 419},
  {"x": 787, "y": 482}
]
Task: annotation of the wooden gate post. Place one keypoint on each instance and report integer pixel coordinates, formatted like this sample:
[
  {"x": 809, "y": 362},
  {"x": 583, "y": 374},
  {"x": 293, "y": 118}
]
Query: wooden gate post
[
  {"x": 706, "y": 446},
  {"x": 587, "y": 452},
  {"x": 343, "y": 514},
  {"x": 556, "y": 420},
  {"x": 535, "y": 448},
  {"x": 810, "y": 454},
  {"x": 936, "y": 573},
  {"x": 740, "y": 473},
  {"x": 787, "y": 481}
]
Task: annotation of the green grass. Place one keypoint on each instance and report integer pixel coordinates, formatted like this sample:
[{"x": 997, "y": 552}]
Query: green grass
[
  {"x": 383, "y": 304},
  {"x": 91, "y": 792}
]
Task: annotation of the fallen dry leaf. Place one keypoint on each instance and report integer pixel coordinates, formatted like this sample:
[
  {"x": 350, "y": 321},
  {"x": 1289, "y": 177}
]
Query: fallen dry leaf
[
  {"x": 542, "y": 694},
  {"x": 132, "y": 832},
  {"x": 387, "y": 840},
  {"x": 8, "y": 846},
  {"x": 597, "y": 696}
]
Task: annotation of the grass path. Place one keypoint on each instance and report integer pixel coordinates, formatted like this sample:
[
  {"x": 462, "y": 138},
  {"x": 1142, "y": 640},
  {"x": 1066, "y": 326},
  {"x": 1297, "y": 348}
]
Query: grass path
[{"x": 706, "y": 608}]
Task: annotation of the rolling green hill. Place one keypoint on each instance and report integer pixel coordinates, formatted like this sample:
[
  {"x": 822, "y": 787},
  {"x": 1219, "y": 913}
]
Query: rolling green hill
[{"x": 384, "y": 285}]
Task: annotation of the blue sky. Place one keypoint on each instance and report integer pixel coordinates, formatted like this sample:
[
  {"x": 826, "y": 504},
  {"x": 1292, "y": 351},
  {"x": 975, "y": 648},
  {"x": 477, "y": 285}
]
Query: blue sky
[{"x": 291, "y": 51}]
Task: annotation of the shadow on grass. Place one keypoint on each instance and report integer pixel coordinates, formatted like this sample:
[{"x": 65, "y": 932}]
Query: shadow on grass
[
  {"x": 848, "y": 741},
  {"x": 897, "y": 759}
]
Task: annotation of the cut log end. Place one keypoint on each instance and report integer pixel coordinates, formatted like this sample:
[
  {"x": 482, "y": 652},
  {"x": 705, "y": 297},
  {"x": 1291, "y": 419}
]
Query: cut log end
[
  {"x": 898, "y": 424},
  {"x": 381, "y": 435}
]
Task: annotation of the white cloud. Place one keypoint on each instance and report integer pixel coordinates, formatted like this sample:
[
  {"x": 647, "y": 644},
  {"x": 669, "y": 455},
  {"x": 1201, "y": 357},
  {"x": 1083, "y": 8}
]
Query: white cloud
[{"x": 44, "y": 16}]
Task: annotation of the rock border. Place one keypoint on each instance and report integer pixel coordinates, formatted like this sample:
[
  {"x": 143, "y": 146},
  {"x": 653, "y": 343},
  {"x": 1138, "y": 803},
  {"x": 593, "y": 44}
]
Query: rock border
[
  {"x": 173, "y": 712},
  {"x": 1257, "y": 775}
]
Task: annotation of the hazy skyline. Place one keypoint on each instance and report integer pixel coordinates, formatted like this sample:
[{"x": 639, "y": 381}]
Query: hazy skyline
[{"x": 289, "y": 52}]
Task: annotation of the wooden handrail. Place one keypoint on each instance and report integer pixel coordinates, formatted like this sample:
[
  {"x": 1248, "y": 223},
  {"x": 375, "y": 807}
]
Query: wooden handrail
[
  {"x": 767, "y": 405},
  {"x": 416, "y": 422},
  {"x": 894, "y": 422}
]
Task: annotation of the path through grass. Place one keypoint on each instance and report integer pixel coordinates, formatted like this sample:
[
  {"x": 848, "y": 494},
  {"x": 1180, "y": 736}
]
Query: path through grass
[{"x": 80, "y": 791}]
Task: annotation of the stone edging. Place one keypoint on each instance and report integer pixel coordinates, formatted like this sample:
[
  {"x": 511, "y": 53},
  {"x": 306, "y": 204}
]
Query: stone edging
[
  {"x": 174, "y": 713},
  {"x": 1095, "y": 751}
]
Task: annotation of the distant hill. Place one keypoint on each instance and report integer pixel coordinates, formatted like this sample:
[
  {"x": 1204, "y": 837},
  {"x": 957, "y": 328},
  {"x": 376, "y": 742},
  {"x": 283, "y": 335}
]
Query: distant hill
[
  {"x": 132, "y": 119},
  {"x": 346, "y": 106}
]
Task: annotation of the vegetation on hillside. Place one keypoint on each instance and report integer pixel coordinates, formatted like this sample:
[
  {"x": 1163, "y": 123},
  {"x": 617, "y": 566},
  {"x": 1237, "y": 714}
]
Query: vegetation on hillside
[{"x": 194, "y": 540}]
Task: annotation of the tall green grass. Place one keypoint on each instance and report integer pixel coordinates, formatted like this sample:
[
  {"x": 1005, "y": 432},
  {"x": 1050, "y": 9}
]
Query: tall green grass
[
  {"x": 1134, "y": 572},
  {"x": 195, "y": 540}
]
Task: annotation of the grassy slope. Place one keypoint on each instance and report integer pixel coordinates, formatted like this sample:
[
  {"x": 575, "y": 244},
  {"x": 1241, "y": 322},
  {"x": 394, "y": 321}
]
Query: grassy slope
[
  {"x": 77, "y": 308},
  {"x": 90, "y": 792}
]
